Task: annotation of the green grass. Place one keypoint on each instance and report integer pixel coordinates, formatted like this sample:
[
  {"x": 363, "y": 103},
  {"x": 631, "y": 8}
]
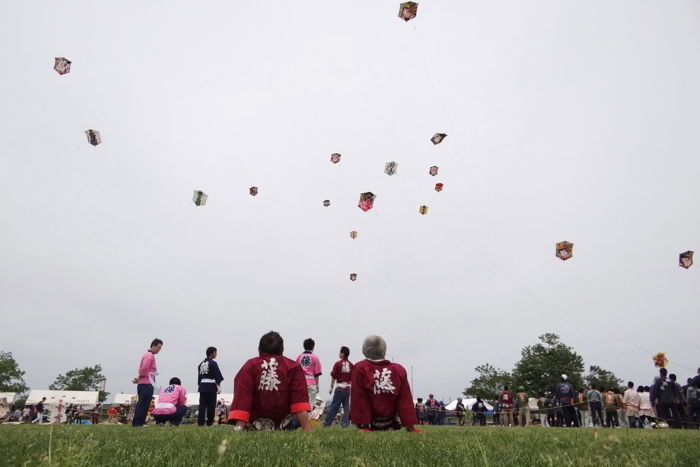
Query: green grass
[{"x": 448, "y": 445}]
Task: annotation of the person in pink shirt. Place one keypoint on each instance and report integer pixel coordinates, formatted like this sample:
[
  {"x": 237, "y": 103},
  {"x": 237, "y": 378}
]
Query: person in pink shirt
[
  {"x": 145, "y": 382},
  {"x": 171, "y": 404},
  {"x": 311, "y": 365}
]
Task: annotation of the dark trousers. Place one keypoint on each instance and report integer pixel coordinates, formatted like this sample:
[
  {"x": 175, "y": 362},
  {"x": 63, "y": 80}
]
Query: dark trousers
[
  {"x": 597, "y": 414},
  {"x": 670, "y": 413},
  {"x": 145, "y": 393},
  {"x": 207, "y": 406},
  {"x": 570, "y": 417},
  {"x": 480, "y": 419},
  {"x": 611, "y": 420},
  {"x": 341, "y": 396},
  {"x": 174, "y": 418}
]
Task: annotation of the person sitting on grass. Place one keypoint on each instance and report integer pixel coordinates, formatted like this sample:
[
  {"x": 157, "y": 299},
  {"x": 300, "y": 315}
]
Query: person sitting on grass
[
  {"x": 380, "y": 397},
  {"x": 171, "y": 404},
  {"x": 270, "y": 390}
]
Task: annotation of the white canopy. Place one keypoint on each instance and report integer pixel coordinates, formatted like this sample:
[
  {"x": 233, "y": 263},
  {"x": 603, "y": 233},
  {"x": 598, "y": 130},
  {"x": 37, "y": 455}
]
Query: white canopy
[
  {"x": 120, "y": 399},
  {"x": 467, "y": 402},
  {"x": 9, "y": 396},
  {"x": 87, "y": 398}
]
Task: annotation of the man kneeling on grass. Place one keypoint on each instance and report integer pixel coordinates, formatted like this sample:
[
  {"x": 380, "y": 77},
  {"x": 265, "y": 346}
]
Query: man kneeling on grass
[
  {"x": 380, "y": 397},
  {"x": 171, "y": 404},
  {"x": 270, "y": 390}
]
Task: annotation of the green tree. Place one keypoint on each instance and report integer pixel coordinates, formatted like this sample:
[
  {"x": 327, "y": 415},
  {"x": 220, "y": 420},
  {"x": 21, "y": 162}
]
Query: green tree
[
  {"x": 542, "y": 364},
  {"x": 11, "y": 377},
  {"x": 488, "y": 383},
  {"x": 601, "y": 379},
  {"x": 82, "y": 379}
]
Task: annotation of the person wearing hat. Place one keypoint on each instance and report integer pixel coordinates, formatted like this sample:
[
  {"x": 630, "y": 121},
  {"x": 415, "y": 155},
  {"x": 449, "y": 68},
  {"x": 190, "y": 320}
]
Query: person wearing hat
[
  {"x": 524, "y": 407},
  {"x": 566, "y": 394},
  {"x": 380, "y": 396}
]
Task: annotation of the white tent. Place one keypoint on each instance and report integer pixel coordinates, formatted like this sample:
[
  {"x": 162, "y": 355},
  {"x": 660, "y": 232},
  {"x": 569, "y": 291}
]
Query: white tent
[
  {"x": 468, "y": 402},
  {"x": 120, "y": 399},
  {"x": 9, "y": 396},
  {"x": 84, "y": 398}
]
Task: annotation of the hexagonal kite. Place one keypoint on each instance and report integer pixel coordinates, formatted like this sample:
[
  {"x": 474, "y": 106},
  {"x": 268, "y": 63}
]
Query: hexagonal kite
[
  {"x": 366, "y": 201},
  {"x": 438, "y": 187},
  {"x": 408, "y": 10},
  {"x": 93, "y": 137},
  {"x": 335, "y": 158},
  {"x": 326, "y": 202},
  {"x": 438, "y": 137},
  {"x": 353, "y": 277},
  {"x": 423, "y": 210},
  {"x": 353, "y": 234},
  {"x": 391, "y": 168},
  {"x": 62, "y": 65},
  {"x": 685, "y": 260},
  {"x": 199, "y": 198},
  {"x": 564, "y": 250},
  {"x": 253, "y": 191},
  {"x": 434, "y": 170}
]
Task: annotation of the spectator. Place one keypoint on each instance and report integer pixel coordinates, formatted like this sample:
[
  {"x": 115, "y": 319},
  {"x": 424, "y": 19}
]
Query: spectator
[
  {"x": 95, "y": 415},
  {"x": 431, "y": 406},
  {"x": 342, "y": 375},
  {"x": 610, "y": 405},
  {"x": 111, "y": 416},
  {"x": 632, "y": 401},
  {"x": 380, "y": 395},
  {"x": 440, "y": 419},
  {"x": 582, "y": 409},
  {"x": 541, "y": 410},
  {"x": 39, "y": 411},
  {"x": 505, "y": 399},
  {"x": 270, "y": 390},
  {"x": 566, "y": 394},
  {"x": 646, "y": 409},
  {"x": 421, "y": 412},
  {"x": 459, "y": 412},
  {"x": 693, "y": 397},
  {"x": 171, "y": 406},
  {"x": 145, "y": 381},
  {"x": 523, "y": 407},
  {"x": 479, "y": 410},
  {"x": 680, "y": 398},
  {"x": 311, "y": 365},
  {"x": 208, "y": 379},
  {"x": 664, "y": 395},
  {"x": 595, "y": 404}
]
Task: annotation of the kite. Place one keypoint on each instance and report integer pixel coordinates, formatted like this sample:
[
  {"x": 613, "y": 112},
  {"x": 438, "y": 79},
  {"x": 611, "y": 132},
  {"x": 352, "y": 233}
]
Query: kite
[
  {"x": 353, "y": 277},
  {"x": 199, "y": 198},
  {"x": 62, "y": 65},
  {"x": 253, "y": 191},
  {"x": 391, "y": 168},
  {"x": 565, "y": 250},
  {"x": 335, "y": 158},
  {"x": 408, "y": 11},
  {"x": 423, "y": 210},
  {"x": 434, "y": 170},
  {"x": 660, "y": 360},
  {"x": 326, "y": 202},
  {"x": 93, "y": 137},
  {"x": 437, "y": 138},
  {"x": 685, "y": 260},
  {"x": 353, "y": 234},
  {"x": 366, "y": 201},
  {"x": 438, "y": 186}
]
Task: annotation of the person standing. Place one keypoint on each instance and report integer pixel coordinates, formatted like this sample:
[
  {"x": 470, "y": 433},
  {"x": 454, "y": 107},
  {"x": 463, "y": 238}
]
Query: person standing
[
  {"x": 610, "y": 404},
  {"x": 145, "y": 382},
  {"x": 459, "y": 411},
  {"x": 631, "y": 401},
  {"x": 208, "y": 379},
  {"x": 505, "y": 399},
  {"x": 566, "y": 394},
  {"x": 342, "y": 375},
  {"x": 664, "y": 395},
  {"x": 431, "y": 406},
  {"x": 311, "y": 365},
  {"x": 479, "y": 410},
  {"x": 421, "y": 412},
  {"x": 39, "y": 411},
  {"x": 523, "y": 407},
  {"x": 595, "y": 404}
]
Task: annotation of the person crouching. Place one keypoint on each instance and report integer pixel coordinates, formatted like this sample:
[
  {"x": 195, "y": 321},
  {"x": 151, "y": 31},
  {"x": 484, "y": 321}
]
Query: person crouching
[
  {"x": 270, "y": 390},
  {"x": 380, "y": 397},
  {"x": 171, "y": 404}
]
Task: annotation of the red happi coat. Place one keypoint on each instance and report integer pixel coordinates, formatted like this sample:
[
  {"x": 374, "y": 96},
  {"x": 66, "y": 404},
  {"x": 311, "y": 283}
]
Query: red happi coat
[
  {"x": 270, "y": 387},
  {"x": 380, "y": 390}
]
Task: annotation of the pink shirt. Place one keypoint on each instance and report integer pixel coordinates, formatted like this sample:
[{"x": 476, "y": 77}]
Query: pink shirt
[
  {"x": 632, "y": 398},
  {"x": 147, "y": 369},
  {"x": 169, "y": 397},
  {"x": 311, "y": 365}
]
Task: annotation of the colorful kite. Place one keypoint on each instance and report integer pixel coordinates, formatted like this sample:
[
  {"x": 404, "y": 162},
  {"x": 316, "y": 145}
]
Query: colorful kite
[
  {"x": 366, "y": 201},
  {"x": 565, "y": 250},
  {"x": 62, "y": 65},
  {"x": 253, "y": 191},
  {"x": 438, "y": 137},
  {"x": 423, "y": 210},
  {"x": 93, "y": 137},
  {"x": 438, "y": 186},
  {"x": 199, "y": 198},
  {"x": 391, "y": 168},
  {"x": 434, "y": 170},
  {"x": 408, "y": 10},
  {"x": 660, "y": 360},
  {"x": 335, "y": 158},
  {"x": 353, "y": 234},
  {"x": 685, "y": 260},
  {"x": 353, "y": 277},
  {"x": 326, "y": 202}
]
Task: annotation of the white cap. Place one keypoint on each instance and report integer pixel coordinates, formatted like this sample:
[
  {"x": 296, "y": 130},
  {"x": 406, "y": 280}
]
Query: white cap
[{"x": 564, "y": 377}]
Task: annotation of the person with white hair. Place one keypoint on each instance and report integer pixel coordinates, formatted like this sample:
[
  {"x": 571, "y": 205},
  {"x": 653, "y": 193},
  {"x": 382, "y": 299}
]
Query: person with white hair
[
  {"x": 380, "y": 397},
  {"x": 566, "y": 394}
]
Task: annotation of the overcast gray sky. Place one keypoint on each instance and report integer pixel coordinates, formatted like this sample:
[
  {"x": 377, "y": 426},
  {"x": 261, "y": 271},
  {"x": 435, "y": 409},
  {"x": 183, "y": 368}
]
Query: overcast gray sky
[{"x": 569, "y": 121}]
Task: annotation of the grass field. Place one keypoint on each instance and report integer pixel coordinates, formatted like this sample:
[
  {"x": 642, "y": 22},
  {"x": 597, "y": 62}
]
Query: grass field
[{"x": 447, "y": 445}]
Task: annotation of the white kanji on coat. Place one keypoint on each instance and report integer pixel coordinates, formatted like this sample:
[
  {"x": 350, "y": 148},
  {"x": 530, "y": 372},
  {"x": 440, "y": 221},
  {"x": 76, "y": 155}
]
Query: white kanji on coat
[
  {"x": 268, "y": 378},
  {"x": 204, "y": 367},
  {"x": 383, "y": 382},
  {"x": 345, "y": 368}
]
